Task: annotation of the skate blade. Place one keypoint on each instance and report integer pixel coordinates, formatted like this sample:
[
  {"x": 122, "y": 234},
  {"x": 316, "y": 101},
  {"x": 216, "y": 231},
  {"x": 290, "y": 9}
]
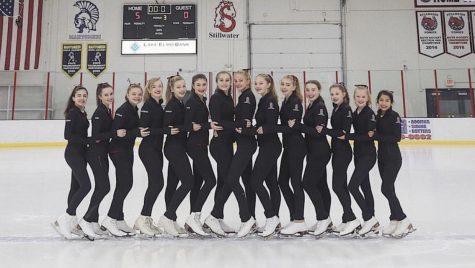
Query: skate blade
[
  {"x": 373, "y": 232},
  {"x": 191, "y": 232},
  {"x": 352, "y": 234},
  {"x": 213, "y": 233},
  {"x": 55, "y": 226},
  {"x": 79, "y": 232},
  {"x": 295, "y": 235},
  {"x": 409, "y": 230}
]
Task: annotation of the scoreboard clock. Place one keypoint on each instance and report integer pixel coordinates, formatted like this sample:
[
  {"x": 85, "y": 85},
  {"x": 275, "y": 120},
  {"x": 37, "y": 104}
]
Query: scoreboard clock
[{"x": 159, "y": 29}]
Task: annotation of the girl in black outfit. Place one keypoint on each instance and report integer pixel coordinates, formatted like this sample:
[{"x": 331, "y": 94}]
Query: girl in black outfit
[
  {"x": 270, "y": 147},
  {"x": 388, "y": 134},
  {"x": 364, "y": 121},
  {"x": 245, "y": 149},
  {"x": 291, "y": 163},
  {"x": 179, "y": 168},
  {"x": 75, "y": 132},
  {"x": 341, "y": 124},
  {"x": 150, "y": 152},
  {"x": 196, "y": 121},
  {"x": 98, "y": 154},
  {"x": 318, "y": 156},
  {"x": 121, "y": 151}
]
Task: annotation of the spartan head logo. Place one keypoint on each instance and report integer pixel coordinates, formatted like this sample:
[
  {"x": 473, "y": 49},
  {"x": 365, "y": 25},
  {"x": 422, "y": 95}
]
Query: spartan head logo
[
  {"x": 456, "y": 23},
  {"x": 224, "y": 15},
  {"x": 430, "y": 24},
  {"x": 87, "y": 16}
]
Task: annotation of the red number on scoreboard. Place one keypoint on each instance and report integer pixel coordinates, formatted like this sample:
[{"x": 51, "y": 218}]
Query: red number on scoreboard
[
  {"x": 185, "y": 14},
  {"x": 138, "y": 15}
]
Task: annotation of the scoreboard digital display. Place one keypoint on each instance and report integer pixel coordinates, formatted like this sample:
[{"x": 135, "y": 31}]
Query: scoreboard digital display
[
  {"x": 159, "y": 22},
  {"x": 159, "y": 29}
]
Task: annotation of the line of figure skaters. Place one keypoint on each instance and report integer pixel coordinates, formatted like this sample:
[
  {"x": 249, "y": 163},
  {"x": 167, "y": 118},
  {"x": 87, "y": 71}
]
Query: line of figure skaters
[{"x": 187, "y": 126}]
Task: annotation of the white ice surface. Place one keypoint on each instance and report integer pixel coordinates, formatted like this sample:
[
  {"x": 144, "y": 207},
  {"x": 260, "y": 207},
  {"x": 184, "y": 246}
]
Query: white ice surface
[{"x": 435, "y": 186}]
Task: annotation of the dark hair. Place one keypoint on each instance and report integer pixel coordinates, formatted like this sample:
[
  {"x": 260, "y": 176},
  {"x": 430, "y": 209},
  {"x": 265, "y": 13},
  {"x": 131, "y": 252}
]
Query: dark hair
[
  {"x": 346, "y": 99},
  {"x": 70, "y": 103},
  {"x": 195, "y": 78},
  {"x": 315, "y": 82},
  {"x": 296, "y": 84},
  {"x": 268, "y": 78},
  {"x": 230, "y": 79},
  {"x": 171, "y": 83},
  {"x": 134, "y": 85},
  {"x": 387, "y": 93},
  {"x": 99, "y": 89}
]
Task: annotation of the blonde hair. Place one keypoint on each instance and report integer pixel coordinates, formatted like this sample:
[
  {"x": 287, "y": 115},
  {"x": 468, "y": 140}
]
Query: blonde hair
[
  {"x": 270, "y": 81},
  {"x": 296, "y": 84},
  {"x": 171, "y": 83},
  {"x": 368, "y": 94},
  {"x": 246, "y": 74},
  {"x": 148, "y": 88},
  {"x": 130, "y": 88}
]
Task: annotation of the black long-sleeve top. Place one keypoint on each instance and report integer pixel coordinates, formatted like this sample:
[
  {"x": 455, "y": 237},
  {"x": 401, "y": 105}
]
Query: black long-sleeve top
[
  {"x": 363, "y": 122},
  {"x": 341, "y": 125},
  {"x": 197, "y": 112},
  {"x": 151, "y": 117},
  {"x": 126, "y": 117},
  {"x": 388, "y": 133},
  {"x": 316, "y": 115},
  {"x": 175, "y": 117},
  {"x": 292, "y": 109},
  {"x": 101, "y": 130},
  {"x": 245, "y": 109},
  {"x": 267, "y": 116},
  {"x": 221, "y": 108},
  {"x": 75, "y": 130}
]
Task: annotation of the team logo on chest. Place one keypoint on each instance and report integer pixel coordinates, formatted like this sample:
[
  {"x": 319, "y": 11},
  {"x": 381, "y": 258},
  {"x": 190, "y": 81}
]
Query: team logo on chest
[
  {"x": 349, "y": 114},
  {"x": 248, "y": 101},
  {"x": 321, "y": 112},
  {"x": 271, "y": 106},
  {"x": 373, "y": 118}
]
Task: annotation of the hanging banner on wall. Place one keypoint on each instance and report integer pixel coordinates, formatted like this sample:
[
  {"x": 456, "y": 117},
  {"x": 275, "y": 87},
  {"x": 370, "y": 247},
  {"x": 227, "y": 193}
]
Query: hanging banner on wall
[
  {"x": 457, "y": 33},
  {"x": 225, "y": 19},
  {"x": 430, "y": 33},
  {"x": 444, "y": 3},
  {"x": 71, "y": 63},
  {"x": 85, "y": 20},
  {"x": 96, "y": 58},
  {"x": 473, "y": 30}
]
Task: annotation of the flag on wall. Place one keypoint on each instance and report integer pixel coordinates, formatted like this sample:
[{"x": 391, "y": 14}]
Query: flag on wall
[{"x": 20, "y": 34}]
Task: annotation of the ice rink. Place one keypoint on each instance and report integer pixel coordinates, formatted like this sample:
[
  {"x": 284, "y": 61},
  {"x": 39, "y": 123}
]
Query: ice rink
[{"x": 435, "y": 186}]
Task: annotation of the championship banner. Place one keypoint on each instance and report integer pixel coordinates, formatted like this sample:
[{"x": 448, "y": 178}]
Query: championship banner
[
  {"x": 444, "y": 3},
  {"x": 225, "y": 19},
  {"x": 430, "y": 33},
  {"x": 416, "y": 129},
  {"x": 85, "y": 19},
  {"x": 71, "y": 63},
  {"x": 457, "y": 33},
  {"x": 473, "y": 30},
  {"x": 96, "y": 58}
]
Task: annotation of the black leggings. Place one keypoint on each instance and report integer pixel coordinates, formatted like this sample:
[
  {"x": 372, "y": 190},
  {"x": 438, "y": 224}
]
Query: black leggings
[
  {"x": 100, "y": 168},
  {"x": 222, "y": 152},
  {"x": 152, "y": 159},
  {"x": 240, "y": 161},
  {"x": 80, "y": 182},
  {"x": 388, "y": 169},
  {"x": 178, "y": 169},
  {"x": 123, "y": 162},
  {"x": 360, "y": 178},
  {"x": 291, "y": 166},
  {"x": 265, "y": 169},
  {"x": 340, "y": 161},
  {"x": 315, "y": 183},
  {"x": 203, "y": 171}
]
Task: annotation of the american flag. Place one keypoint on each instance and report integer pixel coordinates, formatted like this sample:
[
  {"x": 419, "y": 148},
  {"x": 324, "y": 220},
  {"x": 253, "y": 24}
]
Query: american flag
[{"x": 20, "y": 34}]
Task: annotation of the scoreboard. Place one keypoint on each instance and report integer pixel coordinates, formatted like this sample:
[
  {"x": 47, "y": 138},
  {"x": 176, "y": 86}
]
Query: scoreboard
[{"x": 159, "y": 29}]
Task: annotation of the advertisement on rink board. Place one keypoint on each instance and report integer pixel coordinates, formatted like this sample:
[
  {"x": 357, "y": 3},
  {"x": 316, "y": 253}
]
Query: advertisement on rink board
[
  {"x": 430, "y": 33},
  {"x": 457, "y": 33},
  {"x": 416, "y": 129},
  {"x": 444, "y": 3}
]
